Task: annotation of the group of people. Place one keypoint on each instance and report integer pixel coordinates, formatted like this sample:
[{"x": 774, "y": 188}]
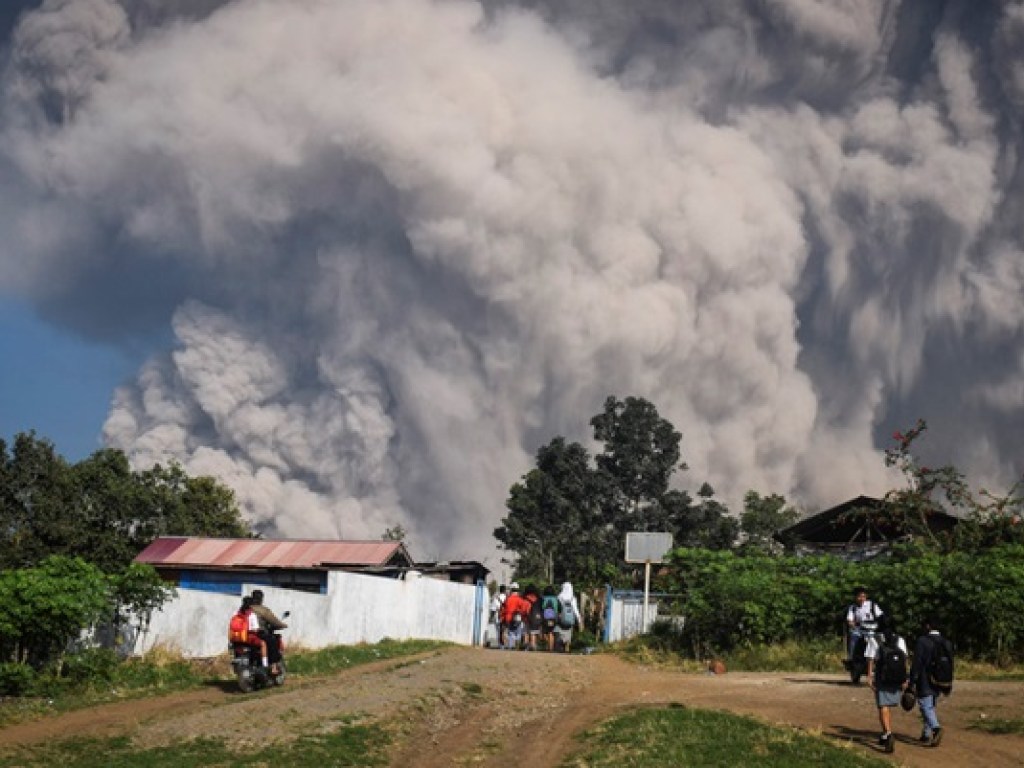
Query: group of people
[
  {"x": 930, "y": 674},
  {"x": 535, "y": 619},
  {"x": 260, "y": 624}
]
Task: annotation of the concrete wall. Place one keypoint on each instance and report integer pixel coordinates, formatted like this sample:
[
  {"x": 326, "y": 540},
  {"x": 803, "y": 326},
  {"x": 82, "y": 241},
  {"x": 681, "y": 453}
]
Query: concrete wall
[{"x": 356, "y": 609}]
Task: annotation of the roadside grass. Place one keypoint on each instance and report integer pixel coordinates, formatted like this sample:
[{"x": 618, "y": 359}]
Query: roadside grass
[
  {"x": 824, "y": 656},
  {"x": 163, "y": 671},
  {"x": 999, "y": 725},
  {"x": 335, "y": 743},
  {"x": 666, "y": 738}
]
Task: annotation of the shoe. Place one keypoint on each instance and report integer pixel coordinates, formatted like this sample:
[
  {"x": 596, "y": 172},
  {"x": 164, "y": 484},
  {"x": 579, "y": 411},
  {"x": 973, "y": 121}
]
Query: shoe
[
  {"x": 881, "y": 739},
  {"x": 890, "y": 744},
  {"x": 936, "y": 737},
  {"x": 926, "y": 738}
]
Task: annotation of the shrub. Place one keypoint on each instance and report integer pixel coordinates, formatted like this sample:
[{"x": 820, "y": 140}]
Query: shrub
[
  {"x": 16, "y": 679},
  {"x": 94, "y": 665}
]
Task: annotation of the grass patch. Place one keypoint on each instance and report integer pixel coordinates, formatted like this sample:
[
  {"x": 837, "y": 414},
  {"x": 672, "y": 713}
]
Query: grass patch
[
  {"x": 341, "y": 745},
  {"x": 327, "y": 661},
  {"x": 666, "y": 738},
  {"x": 1000, "y": 725},
  {"x": 824, "y": 656}
]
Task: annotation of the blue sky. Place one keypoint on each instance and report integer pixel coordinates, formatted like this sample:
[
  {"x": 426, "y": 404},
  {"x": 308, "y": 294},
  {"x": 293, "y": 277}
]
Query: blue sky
[{"x": 55, "y": 383}]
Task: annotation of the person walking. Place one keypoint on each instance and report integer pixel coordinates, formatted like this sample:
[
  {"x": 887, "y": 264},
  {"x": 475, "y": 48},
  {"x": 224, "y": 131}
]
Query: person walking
[
  {"x": 513, "y": 616},
  {"x": 568, "y": 616},
  {"x": 497, "y": 604},
  {"x": 534, "y": 617},
  {"x": 931, "y": 674},
  {"x": 886, "y": 655}
]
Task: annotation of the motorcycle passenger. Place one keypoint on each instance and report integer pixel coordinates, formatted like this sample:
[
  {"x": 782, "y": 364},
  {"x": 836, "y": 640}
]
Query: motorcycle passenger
[
  {"x": 252, "y": 636},
  {"x": 267, "y": 624},
  {"x": 861, "y": 618}
]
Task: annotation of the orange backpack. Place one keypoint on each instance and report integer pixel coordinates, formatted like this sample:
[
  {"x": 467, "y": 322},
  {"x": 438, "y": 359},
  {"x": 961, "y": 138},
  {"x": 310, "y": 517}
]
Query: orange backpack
[{"x": 238, "y": 628}]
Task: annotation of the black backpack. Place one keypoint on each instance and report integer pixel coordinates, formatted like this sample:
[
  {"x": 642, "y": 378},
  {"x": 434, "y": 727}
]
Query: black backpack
[
  {"x": 940, "y": 665},
  {"x": 536, "y": 614},
  {"x": 892, "y": 663}
]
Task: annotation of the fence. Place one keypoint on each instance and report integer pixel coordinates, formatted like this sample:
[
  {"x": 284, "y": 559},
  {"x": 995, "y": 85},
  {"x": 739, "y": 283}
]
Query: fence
[
  {"x": 624, "y": 612},
  {"x": 355, "y": 609}
]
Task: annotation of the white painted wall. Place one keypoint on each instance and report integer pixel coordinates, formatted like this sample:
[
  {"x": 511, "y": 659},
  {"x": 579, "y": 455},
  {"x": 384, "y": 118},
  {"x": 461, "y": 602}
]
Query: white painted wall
[
  {"x": 626, "y": 617},
  {"x": 356, "y": 609}
]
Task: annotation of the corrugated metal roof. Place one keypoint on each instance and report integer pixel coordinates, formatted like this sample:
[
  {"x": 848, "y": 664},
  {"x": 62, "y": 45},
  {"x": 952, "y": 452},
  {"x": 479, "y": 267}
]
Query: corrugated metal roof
[{"x": 179, "y": 551}]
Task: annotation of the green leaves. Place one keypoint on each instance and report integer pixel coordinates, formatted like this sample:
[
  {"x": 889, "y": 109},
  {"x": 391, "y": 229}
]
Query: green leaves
[{"x": 100, "y": 509}]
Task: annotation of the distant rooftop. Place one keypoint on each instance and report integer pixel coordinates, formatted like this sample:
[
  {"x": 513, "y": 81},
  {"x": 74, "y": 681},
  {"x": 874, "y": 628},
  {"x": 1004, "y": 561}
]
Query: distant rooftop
[{"x": 197, "y": 552}]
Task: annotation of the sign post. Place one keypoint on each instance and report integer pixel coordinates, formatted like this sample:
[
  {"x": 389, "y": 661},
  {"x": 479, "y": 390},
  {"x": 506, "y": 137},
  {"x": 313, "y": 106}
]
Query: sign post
[{"x": 647, "y": 548}]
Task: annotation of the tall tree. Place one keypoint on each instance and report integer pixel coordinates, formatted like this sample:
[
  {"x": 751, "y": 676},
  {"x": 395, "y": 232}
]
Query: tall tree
[
  {"x": 100, "y": 509},
  {"x": 763, "y": 517},
  {"x": 554, "y": 525},
  {"x": 641, "y": 452}
]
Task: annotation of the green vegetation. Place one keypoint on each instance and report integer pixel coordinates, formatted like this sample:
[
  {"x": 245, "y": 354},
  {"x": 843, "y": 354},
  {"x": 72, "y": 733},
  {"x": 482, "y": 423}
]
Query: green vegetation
[
  {"x": 568, "y": 517},
  {"x": 100, "y": 509},
  {"x": 676, "y": 736},
  {"x": 334, "y": 743},
  {"x": 326, "y": 661},
  {"x": 736, "y": 601},
  {"x": 999, "y": 725}
]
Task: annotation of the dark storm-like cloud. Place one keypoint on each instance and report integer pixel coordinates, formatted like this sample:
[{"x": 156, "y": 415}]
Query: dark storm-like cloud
[{"x": 401, "y": 243}]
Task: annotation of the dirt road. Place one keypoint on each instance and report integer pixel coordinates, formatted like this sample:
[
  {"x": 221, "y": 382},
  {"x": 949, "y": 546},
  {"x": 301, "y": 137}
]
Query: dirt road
[{"x": 467, "y": 706}]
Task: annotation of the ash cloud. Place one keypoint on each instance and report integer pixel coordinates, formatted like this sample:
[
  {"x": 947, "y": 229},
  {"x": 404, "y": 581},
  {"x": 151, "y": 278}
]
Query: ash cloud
[{"x": 402, "y": 243}]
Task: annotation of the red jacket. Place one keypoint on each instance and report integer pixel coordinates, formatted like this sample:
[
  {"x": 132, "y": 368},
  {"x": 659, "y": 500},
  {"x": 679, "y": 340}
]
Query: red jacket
[{"x": 515, "y": 603}]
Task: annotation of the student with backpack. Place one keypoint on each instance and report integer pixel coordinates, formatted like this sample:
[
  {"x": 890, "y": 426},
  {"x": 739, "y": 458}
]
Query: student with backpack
[
  {"x": 513, "y": 616},
  {"x": 931, "y": 675},
  {"x": 886, "y": 654},
  {"x": 568, "y": 616},
  {"x": 534, "y": 617},
  {"x": 549, "y": 614}
]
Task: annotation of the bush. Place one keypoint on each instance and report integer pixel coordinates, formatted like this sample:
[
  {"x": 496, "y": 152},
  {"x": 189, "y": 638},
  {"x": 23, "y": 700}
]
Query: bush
[
  {"x": 16, "y": 679},
  {"x": 733, "y": 601},
  {"x": 93, "y": 665}
]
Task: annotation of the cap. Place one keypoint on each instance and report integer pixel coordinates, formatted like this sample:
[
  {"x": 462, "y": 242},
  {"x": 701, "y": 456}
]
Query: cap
[{"x": 514, "y": 585}]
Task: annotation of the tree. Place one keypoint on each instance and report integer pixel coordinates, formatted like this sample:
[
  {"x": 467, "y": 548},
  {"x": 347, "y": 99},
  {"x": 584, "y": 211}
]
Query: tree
[
  {"x": 394, "y": 533},
  {"x": 568, "y": 518},
  {"x": 763, "y": 517},
  {"x": 986, "y": 519},
  {"x": 100, "y": 509},
  {"x": 708, "y": 524},
  {"x": 555, "y": 524},
  {"x": 641, "y": 452},
  {"x": 34, "y": 501}
]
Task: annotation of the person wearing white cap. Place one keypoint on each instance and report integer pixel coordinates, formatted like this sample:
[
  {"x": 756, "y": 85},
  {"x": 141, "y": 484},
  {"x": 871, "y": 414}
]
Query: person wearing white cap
[
  {"x": 568, "y": 616},
  {"x": 513, "y": 616}
]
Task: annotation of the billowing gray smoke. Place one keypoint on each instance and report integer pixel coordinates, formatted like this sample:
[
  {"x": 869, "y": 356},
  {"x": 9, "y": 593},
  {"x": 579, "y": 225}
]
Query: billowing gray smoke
[{"x": 402, "y": 243}]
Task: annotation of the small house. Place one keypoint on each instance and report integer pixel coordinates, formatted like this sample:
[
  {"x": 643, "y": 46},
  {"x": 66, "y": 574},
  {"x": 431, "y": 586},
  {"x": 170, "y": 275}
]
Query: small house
[{"x": 858, "y": 529}]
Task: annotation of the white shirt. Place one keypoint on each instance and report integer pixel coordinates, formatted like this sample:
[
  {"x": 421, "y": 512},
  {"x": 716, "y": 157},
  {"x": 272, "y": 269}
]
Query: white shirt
[{"x": 867, "y": 613}]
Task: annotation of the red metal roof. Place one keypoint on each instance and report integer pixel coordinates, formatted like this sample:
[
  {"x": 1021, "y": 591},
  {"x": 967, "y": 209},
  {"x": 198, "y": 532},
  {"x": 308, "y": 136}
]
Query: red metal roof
[{"x": 180, "y": 551}]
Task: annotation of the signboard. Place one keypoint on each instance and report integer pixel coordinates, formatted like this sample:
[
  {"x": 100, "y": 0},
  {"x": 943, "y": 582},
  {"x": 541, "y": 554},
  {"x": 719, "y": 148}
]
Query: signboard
[{"x": 647, "y": 547}]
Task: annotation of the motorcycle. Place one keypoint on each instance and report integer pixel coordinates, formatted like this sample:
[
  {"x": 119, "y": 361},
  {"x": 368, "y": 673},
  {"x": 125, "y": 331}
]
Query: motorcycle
[
  {"x": 247, "y": 664},
  {"x": 857, "y": 665}
]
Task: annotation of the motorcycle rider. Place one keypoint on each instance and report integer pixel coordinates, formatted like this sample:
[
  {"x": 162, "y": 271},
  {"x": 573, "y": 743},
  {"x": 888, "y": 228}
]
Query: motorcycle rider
[
  {"x": 268, "y": 623},
  {"x": 861, "y": 618}
]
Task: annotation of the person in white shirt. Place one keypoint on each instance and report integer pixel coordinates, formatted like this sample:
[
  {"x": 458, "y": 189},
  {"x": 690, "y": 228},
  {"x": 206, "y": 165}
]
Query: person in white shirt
[{"x": 862, "y": 618}]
